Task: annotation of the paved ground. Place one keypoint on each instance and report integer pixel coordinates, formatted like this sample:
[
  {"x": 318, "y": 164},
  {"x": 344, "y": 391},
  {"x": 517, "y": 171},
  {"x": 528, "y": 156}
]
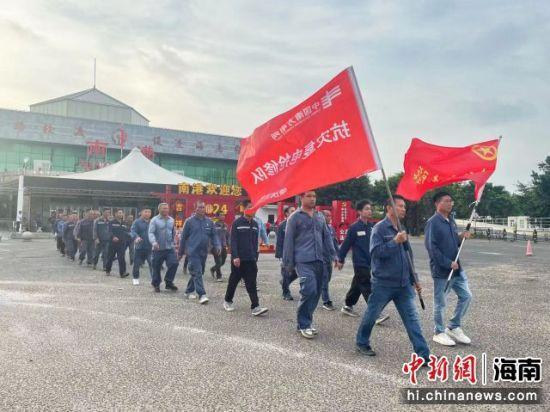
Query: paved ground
[{"x": 72, "y": 338}]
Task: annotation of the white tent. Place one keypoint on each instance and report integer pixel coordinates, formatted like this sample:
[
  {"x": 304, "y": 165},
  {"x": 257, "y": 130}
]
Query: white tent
[{"x": 134, "y": 168}]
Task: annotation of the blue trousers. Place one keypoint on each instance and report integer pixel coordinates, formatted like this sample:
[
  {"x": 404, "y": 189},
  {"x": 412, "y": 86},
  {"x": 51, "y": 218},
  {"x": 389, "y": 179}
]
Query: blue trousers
[
  {"x": 102, "y": 248},
  {"x": 196, "y": 271},
  {"x": 141, "y": 256},
  {"x": 327, "y": 276},
  {"x": 86, "y": 251},
  {"x": 404, "y": 300},
  {"x": 459, "y": 283},
  {"x": 310, "y": 276},
  {"x": 159, "y": 257}
]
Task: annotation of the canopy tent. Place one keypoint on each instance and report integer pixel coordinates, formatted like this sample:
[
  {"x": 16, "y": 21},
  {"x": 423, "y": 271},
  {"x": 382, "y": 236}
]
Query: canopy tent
[{"x": 134, "y": 168}]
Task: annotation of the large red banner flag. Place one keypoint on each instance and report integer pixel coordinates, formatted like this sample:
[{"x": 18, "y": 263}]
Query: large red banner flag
[
  {"x": 428, "y": 166},
  {"x": 324, "y": 140}
]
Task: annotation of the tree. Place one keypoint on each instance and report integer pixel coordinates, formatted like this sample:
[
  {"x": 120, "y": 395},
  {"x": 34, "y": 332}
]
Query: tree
[{"x": 535, "y": 198}]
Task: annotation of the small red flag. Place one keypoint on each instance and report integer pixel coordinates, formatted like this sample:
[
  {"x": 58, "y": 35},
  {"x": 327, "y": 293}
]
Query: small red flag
[
  {"x": 428, "y": 166},
  {"x": 324, "y": 140}
]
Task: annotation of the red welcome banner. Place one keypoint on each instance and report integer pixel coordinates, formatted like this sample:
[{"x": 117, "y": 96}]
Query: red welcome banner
[{"x": 324, "y": 140}]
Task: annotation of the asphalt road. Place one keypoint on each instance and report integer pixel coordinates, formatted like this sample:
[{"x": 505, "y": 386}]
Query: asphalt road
[{"x": 73, "y": 339}]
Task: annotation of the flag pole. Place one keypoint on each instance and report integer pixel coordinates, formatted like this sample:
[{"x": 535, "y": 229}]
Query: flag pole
[
  {"x": 366, "y": 123},
  {"x": 468, "y": 226}
]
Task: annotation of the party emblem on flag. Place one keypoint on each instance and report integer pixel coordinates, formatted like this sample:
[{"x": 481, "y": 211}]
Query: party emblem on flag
[{"x": 488, "y": 153}]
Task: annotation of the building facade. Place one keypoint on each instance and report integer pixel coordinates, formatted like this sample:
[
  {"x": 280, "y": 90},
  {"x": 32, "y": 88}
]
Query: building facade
[{"x": 55, "y": 137}]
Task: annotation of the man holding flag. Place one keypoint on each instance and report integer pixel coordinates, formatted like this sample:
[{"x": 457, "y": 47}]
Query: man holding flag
[
  {"x": 427, "y": 167},
  {"x": 442, "y": 241}
]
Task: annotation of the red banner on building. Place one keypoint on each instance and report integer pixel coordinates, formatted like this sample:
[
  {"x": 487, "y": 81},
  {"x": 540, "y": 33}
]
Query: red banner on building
[
  {"x": 324, "y": 140},
  {"x": 428, "y": 166}
]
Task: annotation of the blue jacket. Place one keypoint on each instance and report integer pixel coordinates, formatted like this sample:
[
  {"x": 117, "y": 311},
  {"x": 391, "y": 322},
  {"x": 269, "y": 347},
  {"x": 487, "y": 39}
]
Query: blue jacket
[
  {"x": 244, "y": 239},
  {"x": 358, "y": 239},
  {"x": 222, "y": 233},
  {"x": 390, "y": 265},
  {"x": 263, "y": 231},
  {"x": 442, "y": 241},
  {"x": 59, "y": 223},
  {"x": 307, "y": 239},
  {"x": 196, "y": 235},
  {"x": 280, "y": 239},
  {"x": 102, "y": 229},
  {"x": 140, "y": 228},
  {"x": 162, "y": 232}
]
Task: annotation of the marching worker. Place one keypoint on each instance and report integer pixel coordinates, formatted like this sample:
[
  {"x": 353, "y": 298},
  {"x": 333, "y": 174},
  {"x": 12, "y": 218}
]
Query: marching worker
[
  {"x": 244, "y": 258},
  {"x": 307, "y": 239},
  {"x": 222, "y": 232},
  {"x": 130, "y": 245},
  {"x": 286, "y": 278},
  {"x": 162, "y": 231},
  {"x": 120, "y": 235},
  {"x": 197, "y": 232},
  {"x": 68, "y": 236},
  {"x": 59, "y": 223},
  {"x": 392, "y": 280},
  {"x": 84, "y": 234},
  {"x": 140, "y": 236},
  {"x": 102, "y": 238},
  {"x": 327, "y": 274},
  {"x": 442, "y": 241}
]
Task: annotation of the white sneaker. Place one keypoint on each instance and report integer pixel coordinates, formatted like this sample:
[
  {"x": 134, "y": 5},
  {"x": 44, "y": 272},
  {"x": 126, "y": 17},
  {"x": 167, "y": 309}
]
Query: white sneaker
[
  {"x": 307, "y": 333},
  {"x": 443, "y": 339},
  {"x": 204, "y": 299},
  {"x": 314, "y": 331},
  {"x": 381, "y": 319},
  {"x": 191, "y": 296},
  {"x": 258, "y": 310},
  {"x": 458, "y": 335},
  {"x": 135, "y": 282},
  {"x": 228, "y": 306}
]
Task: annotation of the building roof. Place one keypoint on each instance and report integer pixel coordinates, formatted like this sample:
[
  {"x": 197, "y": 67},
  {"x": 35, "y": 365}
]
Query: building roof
[
  {"x": 92, "y": 95},
  {"x": 134, "y": 168}
]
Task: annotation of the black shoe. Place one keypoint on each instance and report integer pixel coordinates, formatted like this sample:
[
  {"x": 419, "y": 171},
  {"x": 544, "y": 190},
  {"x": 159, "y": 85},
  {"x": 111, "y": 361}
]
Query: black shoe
[
  {"x": 88, "y": 264},
  {"x": 157, "y": 289},
  {"x": 366, "y": 350},
  {"x": 80, "y": 262},
  {"x": 287, "y": 296},
  {"x": 107, "y": 273},
  {"x": 95, "y": 267},
  {"x": 123, "y": 275},
  {"x": 171, "y": 286}
]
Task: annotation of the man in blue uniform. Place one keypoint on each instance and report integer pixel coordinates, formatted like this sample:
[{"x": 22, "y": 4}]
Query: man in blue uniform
[
  {"x": 222, "y": 233},
  {"x": 68, "y": 236},
  {"x": 120, "y": 237},
  {"x": 140, "y": 236},
  {"x": 442, "y": 241},
  {"x": 307, "y": 239},
  {"x": 162, "y": 232},
  {"x": 102, "y": 238},
  {"x": 358, "y": 240},
  {"x": 328, "y": 260},
  {"x": 392, "y": 280},
  {"x": 286, "y": 278},
  {"x": 244, "y": 257},
  {"x": 198, "y": 233},
  {"x": 84, "y": 234}
]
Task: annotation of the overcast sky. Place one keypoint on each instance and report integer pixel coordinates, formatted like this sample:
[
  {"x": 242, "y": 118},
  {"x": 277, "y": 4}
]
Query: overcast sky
[{"x": 452, "y": 73}]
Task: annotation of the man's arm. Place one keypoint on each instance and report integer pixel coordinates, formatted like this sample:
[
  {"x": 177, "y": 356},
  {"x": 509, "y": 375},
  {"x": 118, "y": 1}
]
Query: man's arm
[
  {"x": 280, "y": 240},
  {"x": 76, "y": 231},
  {"x": 234, "y": 243},
  {"x": 183, "y": 237},
  {"x": 346, "y": 245},
  {"x": 94, "y": 230},
  {"x": 151, "y": 233},
  {"x": 288, "y": 247}
]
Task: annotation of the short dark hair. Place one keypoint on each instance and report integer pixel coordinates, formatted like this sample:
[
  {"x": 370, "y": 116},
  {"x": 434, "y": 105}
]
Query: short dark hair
[
  {"x": 245, "y": 203},
  {"x": 394, "y": 198},
  {"x": 437, "y": 197},
  {"x": 361, "y": 204},
  {"x": 306, "y": 191},
  {"x": 286, "y": 209}
]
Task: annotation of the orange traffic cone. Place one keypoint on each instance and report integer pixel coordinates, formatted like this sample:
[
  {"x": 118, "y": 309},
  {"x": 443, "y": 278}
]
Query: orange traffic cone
[{"x": 529, "y": 251}]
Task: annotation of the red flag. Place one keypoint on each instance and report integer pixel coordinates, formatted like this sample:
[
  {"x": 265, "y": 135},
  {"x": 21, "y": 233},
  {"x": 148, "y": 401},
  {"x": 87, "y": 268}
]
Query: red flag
[
  {"x": 324, "y": 140},
  {"x": 428, "y": 166}
]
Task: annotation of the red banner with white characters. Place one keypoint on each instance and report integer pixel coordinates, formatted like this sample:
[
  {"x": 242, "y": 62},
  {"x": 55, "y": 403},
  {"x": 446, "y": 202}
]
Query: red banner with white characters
[{"x": 324, "y": 140}]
